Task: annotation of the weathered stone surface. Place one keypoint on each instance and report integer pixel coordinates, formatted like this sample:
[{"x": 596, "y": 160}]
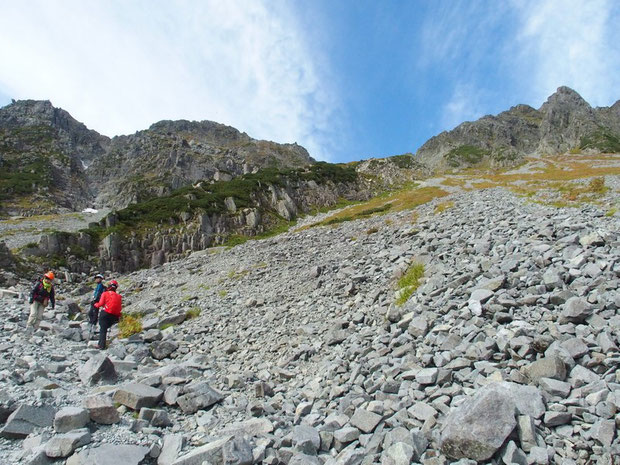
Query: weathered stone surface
[
  {"x": 101, "y": 409},
  {"x": 171, "y": 449},
  {"x": 364, "y": 420},
  {"x": 575, "y": 310},
  {"x": 201, "y": 396},
  {"x": 137, "y": 395},
  {"x": 547, "y": 367},
  {"x": 25, "y": 419},
  {"x": 210, "y": 453},
  {"x": 63, "y": 445},
  {"x": 70, "y": 418},
  {"x": 306, "y": 439},
  {"x": 110, "y": 454},
  {"x": 98, "y": 367},
  {"x": 477, "y": 428},
  {"x": 163, "y": 349}
]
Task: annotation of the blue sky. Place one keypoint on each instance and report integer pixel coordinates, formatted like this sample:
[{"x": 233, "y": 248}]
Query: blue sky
[{"x": 349, "y": 80}]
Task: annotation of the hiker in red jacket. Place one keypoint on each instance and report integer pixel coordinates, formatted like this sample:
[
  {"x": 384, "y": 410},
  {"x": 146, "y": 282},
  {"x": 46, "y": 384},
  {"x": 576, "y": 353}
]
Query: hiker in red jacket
[{"x": 110, "y": 303}]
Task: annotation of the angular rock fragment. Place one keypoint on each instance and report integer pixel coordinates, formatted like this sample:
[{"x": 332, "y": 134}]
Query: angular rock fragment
[
  {"x": 478, "y": 427},
  {"x": 25, "y": 419},
  {"x": 101, "y": 409},
  {"x": 137, "y": 395},
  {"x": 70, "y": 418},
  {"x": 99, "y": 367}
]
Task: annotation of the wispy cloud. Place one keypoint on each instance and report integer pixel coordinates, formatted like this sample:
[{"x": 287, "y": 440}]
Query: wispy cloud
[
  {"x": 120, "y": 66},
  {"x": 571, "y": 42}
]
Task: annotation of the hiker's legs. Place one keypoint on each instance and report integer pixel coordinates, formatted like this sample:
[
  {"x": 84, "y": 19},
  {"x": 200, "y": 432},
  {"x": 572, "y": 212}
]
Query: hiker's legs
[
  {"x": 106, "y": 321},
  {"x": 36, "y": 315},
  {"x": 93, "y": 315}
]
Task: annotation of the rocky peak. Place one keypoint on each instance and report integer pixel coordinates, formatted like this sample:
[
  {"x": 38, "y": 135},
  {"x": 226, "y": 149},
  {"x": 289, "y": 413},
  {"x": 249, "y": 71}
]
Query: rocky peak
[{"x": 564, "y": 122}]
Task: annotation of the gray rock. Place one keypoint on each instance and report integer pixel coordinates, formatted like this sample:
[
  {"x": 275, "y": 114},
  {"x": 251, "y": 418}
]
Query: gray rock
[
  {"x": 155, "y": 417},
  {"x": 101, "y": 409},
  {"x": 306, "y": 439},
  {"x": 538, "y": 456},
  {"x": 210, "y": 453},
  {"x": 251, "y": 428},
  {"x": 237, "y": 451},
  {"x": 399, "y": 453},
  {"x": 171, "y": 449},
  {"x": 304, "y": 459},
  {"x": 427, "y": 376},
  {"x": 547, "y": 367},
  {"x": 201, "y": 396},
  {"x": 512, "y": 454},
  {"x": 162, "y": 349},
  {"x": 63, "y": 445},
  {"x": 98, "y": 367},
  {"x": 580, "y": 376},
  {"x": 527, "y": 432},
  {"x": 478, "y": 427},
  {"x": 70, "y": 418},
  {"x": 25, "y": 419},
  {"x": 138, "y": 395},
  {"x": 555, "y": 387},
  {"x": 575, "y": 310},
  {"x": 346, "y": 435},
  {"x": 110, "y": 454},
  {"x": 365, "y": 420},
  {"x": 604, "y": 432},
  {"x": 557, "y": 418}
]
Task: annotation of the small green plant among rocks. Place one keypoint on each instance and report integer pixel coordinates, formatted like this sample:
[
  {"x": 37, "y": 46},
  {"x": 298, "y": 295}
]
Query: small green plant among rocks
[
  {"x": 193, "y": 312},
  {"x": 409, "y": 282},
  {"x": 129, "y": 325}
]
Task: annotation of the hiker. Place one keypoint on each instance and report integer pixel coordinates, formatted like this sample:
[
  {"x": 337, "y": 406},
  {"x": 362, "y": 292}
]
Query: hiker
[
  {"x": 93, "y": 313},
  {"x": 110, "y": 305},
  {"x": 42, "y": 293}
]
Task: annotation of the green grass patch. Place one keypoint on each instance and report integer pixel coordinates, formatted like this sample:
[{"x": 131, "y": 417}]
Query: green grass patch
[
  {"x": 193, "y": 312},
  {"x": 129, "y": 325},
  {"x": 409, "y": 282},
  {"x": 602, "y": 140},
  {"x": 465, "y": 154}
]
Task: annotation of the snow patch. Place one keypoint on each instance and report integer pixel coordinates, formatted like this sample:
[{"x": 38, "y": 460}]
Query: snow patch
[{"x": 90, "y": 210}]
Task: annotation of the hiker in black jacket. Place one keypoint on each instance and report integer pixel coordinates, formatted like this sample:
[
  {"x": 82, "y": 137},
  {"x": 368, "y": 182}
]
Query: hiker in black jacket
[{"x": 42, "y": 294}]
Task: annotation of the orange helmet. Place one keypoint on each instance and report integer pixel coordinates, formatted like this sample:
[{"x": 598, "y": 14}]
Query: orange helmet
[{"x": 49, "y": 275}]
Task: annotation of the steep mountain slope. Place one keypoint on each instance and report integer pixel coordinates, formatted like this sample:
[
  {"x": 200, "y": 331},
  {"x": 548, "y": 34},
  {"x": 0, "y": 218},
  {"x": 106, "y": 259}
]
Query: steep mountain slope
[
  {"x": 564, "y": 122},
  {"x": 291, "y": 350},
  {"x": 43, "y": 153},
  {"x": 173, "y": 154},
  {"x": 50, "y": 161}
]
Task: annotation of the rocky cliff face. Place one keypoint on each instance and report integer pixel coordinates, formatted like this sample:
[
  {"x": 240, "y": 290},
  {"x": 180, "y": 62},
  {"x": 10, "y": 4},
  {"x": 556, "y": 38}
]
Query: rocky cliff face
[
  {"x": 564, "y": 122},
  {"x": 43, "y": 152},
  {"x": 50, "y": 160},
  {"x": 172, "y": 154},
  {"x": 151, "y": 233}
]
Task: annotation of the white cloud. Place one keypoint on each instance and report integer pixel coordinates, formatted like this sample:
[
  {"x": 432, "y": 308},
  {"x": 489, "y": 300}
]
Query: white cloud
[
  {"x": 573, "y": 43},
  {"x": 121, "y": 66},
  {"x": 465, "y": 104}
]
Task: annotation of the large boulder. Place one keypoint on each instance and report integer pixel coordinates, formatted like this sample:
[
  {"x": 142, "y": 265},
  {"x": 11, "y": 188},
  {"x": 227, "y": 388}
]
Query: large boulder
[
  {"x": 110, "y": 454},
  {"x": 97, "y": 368},
  {"x": 25, "y": 419},
  {"x": 138, "y": 395},
  {"x": 478, "y": 427}
]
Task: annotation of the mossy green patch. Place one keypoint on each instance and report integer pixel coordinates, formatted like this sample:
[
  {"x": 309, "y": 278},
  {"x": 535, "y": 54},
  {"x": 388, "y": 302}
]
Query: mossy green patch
[{"x": 465, "y": 154}]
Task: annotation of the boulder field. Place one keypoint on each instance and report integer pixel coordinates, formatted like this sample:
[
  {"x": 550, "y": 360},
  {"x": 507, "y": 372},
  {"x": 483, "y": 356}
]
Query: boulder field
[{"x": 292, "y": 350}]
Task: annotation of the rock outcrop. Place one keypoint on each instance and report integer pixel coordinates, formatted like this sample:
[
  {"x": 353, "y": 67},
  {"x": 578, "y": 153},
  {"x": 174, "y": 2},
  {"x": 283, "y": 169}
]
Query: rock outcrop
[{"x": 564, "y": 122}]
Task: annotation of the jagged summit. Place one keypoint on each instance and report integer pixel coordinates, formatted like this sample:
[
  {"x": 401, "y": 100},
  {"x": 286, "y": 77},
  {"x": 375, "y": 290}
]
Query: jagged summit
[
  {"x": 45, "y": 153},
  {"x": 564, "y": 122}
]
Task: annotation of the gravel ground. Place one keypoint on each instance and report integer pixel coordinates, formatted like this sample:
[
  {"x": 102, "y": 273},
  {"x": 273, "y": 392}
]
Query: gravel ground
[{"x": 17, "y": 232}]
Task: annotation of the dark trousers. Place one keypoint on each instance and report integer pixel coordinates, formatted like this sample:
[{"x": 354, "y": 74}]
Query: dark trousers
[
  {"x": 93, "y": 314},
  {"x": 106, "y": 321}
]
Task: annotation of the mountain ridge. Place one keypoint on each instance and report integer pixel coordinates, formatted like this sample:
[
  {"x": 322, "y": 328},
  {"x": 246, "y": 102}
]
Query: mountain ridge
[{"x": 564, "y": 122}]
